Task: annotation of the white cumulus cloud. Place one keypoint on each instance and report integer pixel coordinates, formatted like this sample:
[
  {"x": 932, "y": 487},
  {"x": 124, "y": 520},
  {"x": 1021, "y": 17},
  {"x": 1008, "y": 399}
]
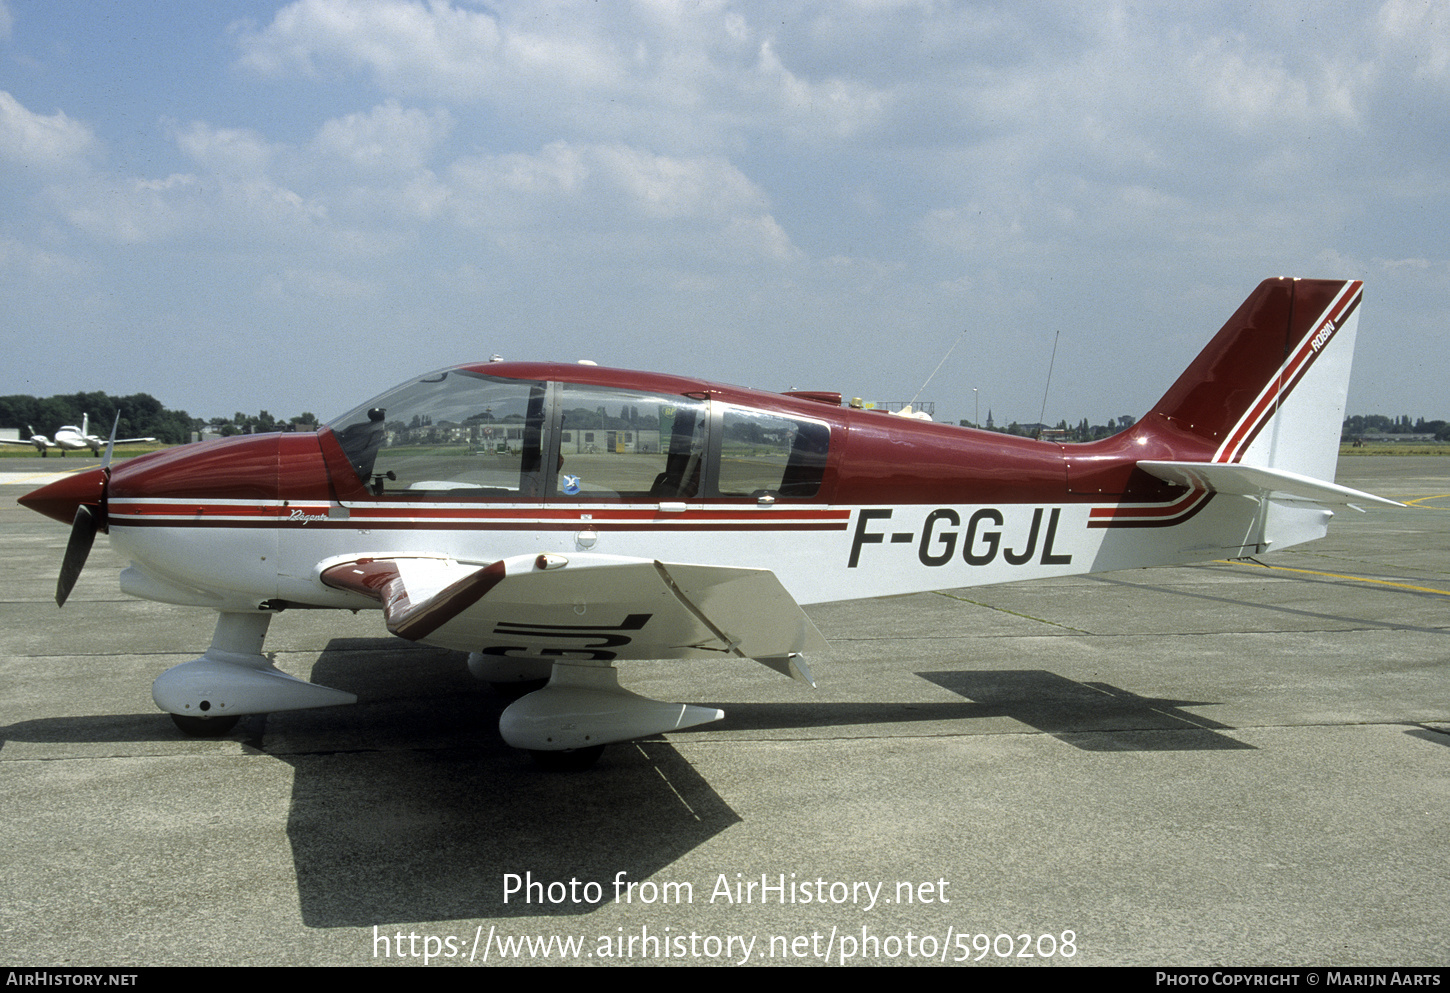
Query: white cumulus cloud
[
  {"x": 388, "y": 138},
  {"x": 31, "y": 139}
]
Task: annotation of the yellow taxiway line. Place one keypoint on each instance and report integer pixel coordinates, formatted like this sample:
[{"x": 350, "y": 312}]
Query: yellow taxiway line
[{"x": 1339, "y": 575}]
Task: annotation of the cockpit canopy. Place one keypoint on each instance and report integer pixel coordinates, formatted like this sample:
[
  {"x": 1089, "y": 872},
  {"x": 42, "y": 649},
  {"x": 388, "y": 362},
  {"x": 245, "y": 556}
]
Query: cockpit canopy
[{"x": 462, "y": 434}]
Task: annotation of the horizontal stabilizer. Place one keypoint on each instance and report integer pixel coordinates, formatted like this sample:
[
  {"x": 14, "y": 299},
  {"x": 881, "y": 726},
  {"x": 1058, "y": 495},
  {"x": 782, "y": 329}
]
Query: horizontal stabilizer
[{"x": 1247, "y": 480}]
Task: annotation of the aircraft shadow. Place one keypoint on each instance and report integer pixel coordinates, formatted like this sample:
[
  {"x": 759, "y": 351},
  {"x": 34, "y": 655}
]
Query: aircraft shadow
[
  {"x": 1435, "y": 735},
  {"x": 408, "y": 807},
  {"x": 418, "y": 810},
  {"x": 1094, "y": 717},
  {"x": 111, "y": 728}
]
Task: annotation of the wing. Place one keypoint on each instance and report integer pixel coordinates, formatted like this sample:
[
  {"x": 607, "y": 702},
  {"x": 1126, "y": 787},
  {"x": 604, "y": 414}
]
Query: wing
[
  {"x": 131, "y": 441},
  {"x": 584, "y": 607}
]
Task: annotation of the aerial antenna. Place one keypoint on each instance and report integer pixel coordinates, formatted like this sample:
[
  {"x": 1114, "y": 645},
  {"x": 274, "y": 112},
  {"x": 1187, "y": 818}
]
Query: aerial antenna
[
  {"x": 1050, "y": 364},
  {"x": 912, "y": 403}
]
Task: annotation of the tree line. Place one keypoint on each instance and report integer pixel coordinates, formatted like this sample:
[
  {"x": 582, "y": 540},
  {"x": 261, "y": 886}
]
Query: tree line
[
  {"x": 1354, "y": 427},
  {"x": 142, "y": 416},
  {"x": 1361, "y": 424}
]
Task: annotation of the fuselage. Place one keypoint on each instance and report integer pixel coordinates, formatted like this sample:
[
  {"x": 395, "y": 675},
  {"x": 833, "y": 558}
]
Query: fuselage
[
  {"x": 72, "y": 439},
  {"x": 484, "y": 462}
]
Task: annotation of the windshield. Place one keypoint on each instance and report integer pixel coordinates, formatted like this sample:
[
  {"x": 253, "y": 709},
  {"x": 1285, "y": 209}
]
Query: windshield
[{"x": 449, "y": 431}]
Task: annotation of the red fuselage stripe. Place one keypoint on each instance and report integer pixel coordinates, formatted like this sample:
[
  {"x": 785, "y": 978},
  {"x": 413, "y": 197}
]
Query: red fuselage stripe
[{"x": 1294, "y": 369}]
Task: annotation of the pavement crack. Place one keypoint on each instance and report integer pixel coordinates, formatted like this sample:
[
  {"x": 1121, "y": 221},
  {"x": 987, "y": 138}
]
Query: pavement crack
[{"x": 1014, "y": 613}]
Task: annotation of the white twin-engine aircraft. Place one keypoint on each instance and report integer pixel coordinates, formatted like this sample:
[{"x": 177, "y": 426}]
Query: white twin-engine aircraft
[
  {"x": 71, "y": 439},
  {"x": 552, "y": 520}
]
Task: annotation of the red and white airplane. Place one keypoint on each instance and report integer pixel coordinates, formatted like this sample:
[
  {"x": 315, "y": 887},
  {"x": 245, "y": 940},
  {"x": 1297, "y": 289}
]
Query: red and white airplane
[
  {"x": 71, "y": 439},
  {"x": 553, "y": 520}
]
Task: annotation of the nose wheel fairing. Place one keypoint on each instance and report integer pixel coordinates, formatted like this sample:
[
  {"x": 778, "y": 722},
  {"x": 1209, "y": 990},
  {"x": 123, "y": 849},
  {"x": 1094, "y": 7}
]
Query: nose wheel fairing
[{"x": 234, "y": 678}]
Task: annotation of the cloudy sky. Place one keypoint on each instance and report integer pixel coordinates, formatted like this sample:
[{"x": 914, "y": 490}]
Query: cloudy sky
[{"x": 238, "y": 205}]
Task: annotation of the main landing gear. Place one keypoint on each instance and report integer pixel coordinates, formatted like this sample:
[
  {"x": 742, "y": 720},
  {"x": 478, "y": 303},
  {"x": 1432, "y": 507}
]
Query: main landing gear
[
  {"x": 564, "y": 713},
  {"x": 566, "y": 725}
]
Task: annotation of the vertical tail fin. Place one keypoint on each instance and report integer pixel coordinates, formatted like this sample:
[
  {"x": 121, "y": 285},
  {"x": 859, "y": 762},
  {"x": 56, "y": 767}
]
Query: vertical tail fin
[
  {"x": 1269, "y": 390},
  {"x": 1258, "y": 414}
]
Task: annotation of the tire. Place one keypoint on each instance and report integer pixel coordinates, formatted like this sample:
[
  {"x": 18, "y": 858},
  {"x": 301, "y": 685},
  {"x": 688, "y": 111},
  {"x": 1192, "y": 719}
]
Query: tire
[
  {"x": 205, "y": 727},
  {"x": 574, "y": 760}
]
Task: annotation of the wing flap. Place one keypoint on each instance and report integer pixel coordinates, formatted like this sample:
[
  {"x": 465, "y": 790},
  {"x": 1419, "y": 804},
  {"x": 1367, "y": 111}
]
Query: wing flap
[{"x": 583, "y": 607}]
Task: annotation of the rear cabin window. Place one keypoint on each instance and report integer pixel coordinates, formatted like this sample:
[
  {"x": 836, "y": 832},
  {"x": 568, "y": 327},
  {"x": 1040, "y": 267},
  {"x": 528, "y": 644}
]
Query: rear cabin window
[{"x": 771, "y": 455}]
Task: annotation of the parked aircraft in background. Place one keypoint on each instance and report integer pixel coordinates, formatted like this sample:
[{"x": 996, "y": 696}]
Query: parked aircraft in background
[
  {"x": 72, "y": 439},
  {"x": 39, "y": 442},
  {"x": 553, "y": 520}
]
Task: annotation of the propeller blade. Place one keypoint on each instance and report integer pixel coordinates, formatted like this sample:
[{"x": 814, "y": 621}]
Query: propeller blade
[
  {"x": 111, "y": 441},
  {"x": 82, "y": 536},
  {"x": 88, "y": 521}
]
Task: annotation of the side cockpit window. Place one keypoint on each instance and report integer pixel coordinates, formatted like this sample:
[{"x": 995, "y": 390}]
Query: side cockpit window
[
  {"x": 765, "y": 454},
  {"x": 621, "y": 444},
  {"x": 449, "y": 435}
]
